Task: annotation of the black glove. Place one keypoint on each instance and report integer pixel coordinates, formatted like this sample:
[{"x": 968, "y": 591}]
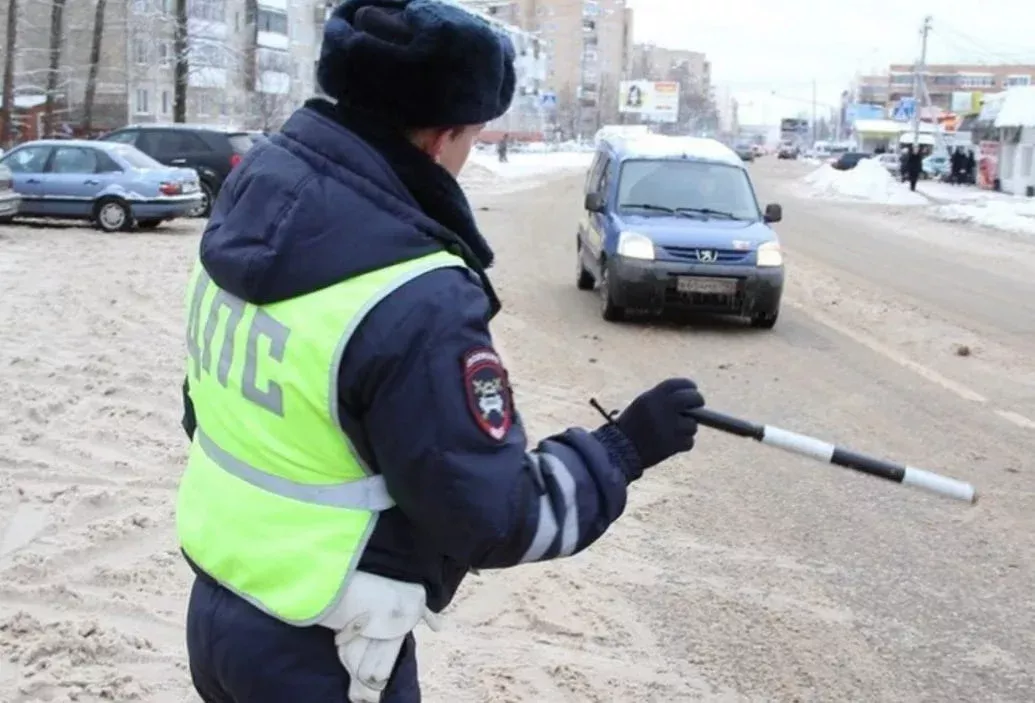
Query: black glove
[{"x": 657, "y": 422}]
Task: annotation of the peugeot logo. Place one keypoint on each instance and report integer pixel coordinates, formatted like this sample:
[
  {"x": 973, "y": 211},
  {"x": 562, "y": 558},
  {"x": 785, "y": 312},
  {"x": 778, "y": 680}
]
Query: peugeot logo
[{"x": 707, "y": 256}]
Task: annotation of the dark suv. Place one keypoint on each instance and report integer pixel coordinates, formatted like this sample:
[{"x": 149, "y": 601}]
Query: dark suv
[{"x": 211, "y": 151}]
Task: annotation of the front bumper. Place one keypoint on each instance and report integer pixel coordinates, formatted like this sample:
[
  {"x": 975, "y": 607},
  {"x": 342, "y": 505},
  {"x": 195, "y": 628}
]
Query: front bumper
[
  {"x": 9, "y": 204},
  {"x": 653, "y": 286}
]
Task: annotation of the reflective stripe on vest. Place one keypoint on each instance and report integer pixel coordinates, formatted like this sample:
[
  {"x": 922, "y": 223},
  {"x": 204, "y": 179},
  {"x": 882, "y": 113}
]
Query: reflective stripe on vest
[{"x": 275, "y": 503}]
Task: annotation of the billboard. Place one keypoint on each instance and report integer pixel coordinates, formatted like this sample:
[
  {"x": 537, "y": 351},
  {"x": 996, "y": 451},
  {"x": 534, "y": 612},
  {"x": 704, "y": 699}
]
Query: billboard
[
  {"x": 863, "y": 111},
  {"x": 657, "y": 101},
  {"x": 791, "y": 126}
]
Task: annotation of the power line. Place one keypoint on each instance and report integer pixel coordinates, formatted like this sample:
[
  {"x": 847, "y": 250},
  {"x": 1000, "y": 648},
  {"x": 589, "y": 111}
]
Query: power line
[{"x": 975, "y": 46}]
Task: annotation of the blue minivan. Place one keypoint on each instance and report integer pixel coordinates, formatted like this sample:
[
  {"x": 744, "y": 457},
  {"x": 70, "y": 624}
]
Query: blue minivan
[{"x": 673, "y": 223}]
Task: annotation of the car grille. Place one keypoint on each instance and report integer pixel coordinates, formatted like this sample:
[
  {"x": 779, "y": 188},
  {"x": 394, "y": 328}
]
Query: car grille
[{"x": 722, "y": 256}]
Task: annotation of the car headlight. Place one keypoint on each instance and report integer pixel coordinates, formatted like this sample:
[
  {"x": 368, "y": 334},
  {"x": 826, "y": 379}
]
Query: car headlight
[
  {"x": 769, "y": 255},
  {"x": 635, "y": 246}
]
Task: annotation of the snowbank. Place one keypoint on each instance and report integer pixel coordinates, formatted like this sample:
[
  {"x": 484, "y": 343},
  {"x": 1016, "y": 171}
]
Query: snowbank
[
  {"x": 868, "y": 181},
  {"x": 523, "y": 170},
  {"x": 525, "y": 164},
  {"x": 1016, "y": 215}
]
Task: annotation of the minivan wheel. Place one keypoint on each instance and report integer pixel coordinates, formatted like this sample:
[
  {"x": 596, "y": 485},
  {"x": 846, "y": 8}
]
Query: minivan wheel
[
  {"x": 112, "y": 215},
  {"x": 608, "y": 310},
  {"x": 204, "y": 208},
  {"x": 583, "y": 279}
]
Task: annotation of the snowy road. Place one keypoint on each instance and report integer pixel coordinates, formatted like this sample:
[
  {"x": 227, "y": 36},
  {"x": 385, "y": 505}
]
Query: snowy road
[
  {"x": 921, "y": 286},
  {"x": 736, "y": 574}
]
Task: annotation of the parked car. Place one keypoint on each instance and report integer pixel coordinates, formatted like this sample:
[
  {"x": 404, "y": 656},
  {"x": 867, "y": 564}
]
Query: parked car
[
  {"x": 787, "y": 151},
  {"x": 848, "y": 160},
  {"x": 891, "y": 162},
  {"x": 10, "y": 201},
  {"x": 746, "y": 152},
  {"x": 673, "y": 223},
  {"x": 114, "y": 185},
  {"x": 211, "y": 151},
  {"x": 936, "y": 167}
]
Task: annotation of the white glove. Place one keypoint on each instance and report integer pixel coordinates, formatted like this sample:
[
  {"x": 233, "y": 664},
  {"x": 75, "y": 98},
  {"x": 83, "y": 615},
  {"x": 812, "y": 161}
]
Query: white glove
[{"x": 370, "y": 623}]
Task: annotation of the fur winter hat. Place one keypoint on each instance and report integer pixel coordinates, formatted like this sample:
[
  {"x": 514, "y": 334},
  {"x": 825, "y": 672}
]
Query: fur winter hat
[{"x": 416, "y": 63}]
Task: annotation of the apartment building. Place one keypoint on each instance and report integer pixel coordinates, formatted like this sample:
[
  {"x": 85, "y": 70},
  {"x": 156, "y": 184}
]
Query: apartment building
[
  {"x": 942, "y": 80},
  {"x": 693, "y": 72},
  {"x": 657, "y": 63},
  {"x": 589, "y": 44},
  {"x": 873, "y": 89},
  {"x": 250, "y": 61}
]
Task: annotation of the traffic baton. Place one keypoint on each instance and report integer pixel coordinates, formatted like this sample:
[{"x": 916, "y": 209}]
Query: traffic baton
[{"x": 827, "y": 453}]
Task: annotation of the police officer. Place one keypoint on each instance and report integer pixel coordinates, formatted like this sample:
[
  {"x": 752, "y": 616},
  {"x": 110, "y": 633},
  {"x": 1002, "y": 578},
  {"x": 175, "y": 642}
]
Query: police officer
[{"x": 355, "y": 447}]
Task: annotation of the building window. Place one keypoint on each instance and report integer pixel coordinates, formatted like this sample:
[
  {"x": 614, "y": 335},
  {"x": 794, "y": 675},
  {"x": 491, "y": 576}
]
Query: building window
[
  {"x": 165, "y": 102},
  {"x": 208, "y": 10},
  {"x": 165, "y": 53},
  {"x": 272, "y": 21},
  {"x": 1017, "y": 80},
  {"x": 207, "y": 54},
  {"x": 142, "y": 103},
  {"x": 204, "y": 104},
  {"x": 902, "y": 78},
  {"x": 977, "y": 81},
  {"x": 273, "y": 60},
  {"x": 141, "y": 50}
]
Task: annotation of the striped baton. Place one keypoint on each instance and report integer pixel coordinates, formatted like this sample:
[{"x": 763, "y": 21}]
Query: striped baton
[{"x": 827, "y": 453}]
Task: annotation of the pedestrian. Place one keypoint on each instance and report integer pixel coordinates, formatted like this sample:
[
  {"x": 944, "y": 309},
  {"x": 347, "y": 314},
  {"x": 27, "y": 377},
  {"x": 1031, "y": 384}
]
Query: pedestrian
[
  {"x": 969, "y": 168},
  {"x": 501, "y": 148},
  {"x": 355, "y": 446},
  {"x": 903, "y": 162},
  {"x": 914, "y": 165},
  {"x": 958, "y": 162}
]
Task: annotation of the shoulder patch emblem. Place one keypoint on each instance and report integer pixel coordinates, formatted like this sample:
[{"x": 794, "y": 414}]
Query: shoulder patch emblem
[{"x": 488, "y": 394}]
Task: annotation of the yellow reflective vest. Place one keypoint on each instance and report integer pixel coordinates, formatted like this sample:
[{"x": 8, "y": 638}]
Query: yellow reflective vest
[{"x": 275, "y": 503}]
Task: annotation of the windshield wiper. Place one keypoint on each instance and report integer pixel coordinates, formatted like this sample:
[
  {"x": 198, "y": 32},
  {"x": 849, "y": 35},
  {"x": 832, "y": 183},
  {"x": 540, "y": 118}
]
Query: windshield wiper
[
  {"x": 648, "y": 206},
  {"x": 708, "y": 211}
]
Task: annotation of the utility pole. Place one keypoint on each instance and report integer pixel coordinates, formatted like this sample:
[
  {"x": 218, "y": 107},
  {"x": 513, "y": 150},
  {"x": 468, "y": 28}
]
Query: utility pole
[
  {"x": 815, "y": 131},
  {"x": 919, "y": 86}
]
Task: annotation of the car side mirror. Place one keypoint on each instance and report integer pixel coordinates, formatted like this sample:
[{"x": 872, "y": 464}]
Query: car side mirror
[
  {"x": 594, "y": 202},
  {"x": 773, "y": 213}
]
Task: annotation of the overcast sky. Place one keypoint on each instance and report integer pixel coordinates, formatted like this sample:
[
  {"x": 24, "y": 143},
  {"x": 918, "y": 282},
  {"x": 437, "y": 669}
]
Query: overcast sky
[{"x": 757, "y": 47}]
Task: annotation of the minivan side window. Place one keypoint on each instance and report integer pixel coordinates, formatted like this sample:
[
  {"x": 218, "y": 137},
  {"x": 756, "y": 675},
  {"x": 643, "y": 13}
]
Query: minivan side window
[
  {"x": 605, "y": 178},
  {"x": 594, "y": 171}
]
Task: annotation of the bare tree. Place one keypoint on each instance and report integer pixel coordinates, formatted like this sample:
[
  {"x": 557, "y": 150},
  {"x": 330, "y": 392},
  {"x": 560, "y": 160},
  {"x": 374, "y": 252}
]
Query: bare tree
[
  {"x": 7, "y": 109},
  {"x": 269, "y": 110},
  {"x": 182, "y": 66},
  {"x": 57, "y": 40},
  {"x": 90, "y": 93}
]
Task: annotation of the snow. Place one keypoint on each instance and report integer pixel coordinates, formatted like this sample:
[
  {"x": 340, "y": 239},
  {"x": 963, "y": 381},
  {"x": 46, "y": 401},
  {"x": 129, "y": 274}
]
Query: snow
[
  {"x": 1018, "y": 108},
  {"x": 1009, "y": 215},
  {"x": 868, "y": 181},
  {"x": 524, "y": 169},
  {"x": 871, "y": 182},
  {"x": 526, "y": 164}
]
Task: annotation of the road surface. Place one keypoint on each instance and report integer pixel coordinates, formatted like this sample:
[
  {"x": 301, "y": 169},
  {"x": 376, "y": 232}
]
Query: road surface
[{"x": 737, "y": 573}]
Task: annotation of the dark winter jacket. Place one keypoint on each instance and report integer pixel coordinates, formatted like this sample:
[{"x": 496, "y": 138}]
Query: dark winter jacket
[{"x": 318, "y": 204}]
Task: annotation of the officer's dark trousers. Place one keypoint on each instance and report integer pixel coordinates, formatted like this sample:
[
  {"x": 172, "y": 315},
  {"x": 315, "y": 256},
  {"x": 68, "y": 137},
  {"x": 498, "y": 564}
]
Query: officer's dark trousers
[{"x": 238, "y": 654}]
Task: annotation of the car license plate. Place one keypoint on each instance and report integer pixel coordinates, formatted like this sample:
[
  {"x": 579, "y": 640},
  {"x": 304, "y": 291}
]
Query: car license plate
[{"x": 701, "y": 284}]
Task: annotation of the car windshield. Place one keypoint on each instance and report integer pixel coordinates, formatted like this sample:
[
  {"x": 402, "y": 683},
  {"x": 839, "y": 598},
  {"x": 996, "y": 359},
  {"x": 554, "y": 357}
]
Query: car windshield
[
  {"x": 136, "y": 158},
  {"x": 686, "y": 186}
]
